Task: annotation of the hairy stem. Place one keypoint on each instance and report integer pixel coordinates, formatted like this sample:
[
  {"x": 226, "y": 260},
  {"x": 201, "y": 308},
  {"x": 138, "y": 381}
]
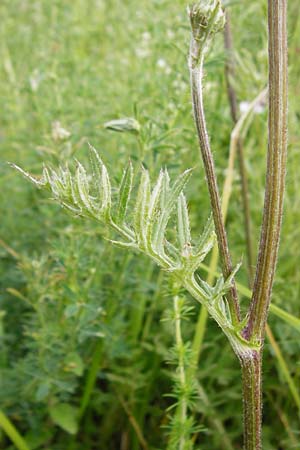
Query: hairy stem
[
  {"x": 196, "y": 73},
  {"x": 242, "y": 125},
  {"x": 251, "y": 378},
  {"x": 272, "y": 218},
  {"x": 276, "y": 168},
  {"x": 232, "y": 98}
]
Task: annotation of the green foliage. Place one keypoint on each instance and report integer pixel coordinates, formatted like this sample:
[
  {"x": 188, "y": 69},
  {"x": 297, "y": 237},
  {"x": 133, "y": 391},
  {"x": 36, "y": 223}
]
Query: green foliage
[
  {"x": 90, "y": 196},
  {"x": 60, "y": 62},
  {"x": 65, "y": 416}
]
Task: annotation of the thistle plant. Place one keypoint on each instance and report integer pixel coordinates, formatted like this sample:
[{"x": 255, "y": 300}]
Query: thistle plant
[
  {"x": 256, "y": 318},
  {"x": 140, "y": 216},
  {"x": 144, "y": 227}
]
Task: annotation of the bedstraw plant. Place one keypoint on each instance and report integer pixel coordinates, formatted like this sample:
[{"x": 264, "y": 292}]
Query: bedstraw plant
[{"x": 152, "y": 217}]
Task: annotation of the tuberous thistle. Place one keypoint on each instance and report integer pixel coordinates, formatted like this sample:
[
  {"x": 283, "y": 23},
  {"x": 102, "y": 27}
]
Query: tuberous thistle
[{"x": 207, "y": 18}]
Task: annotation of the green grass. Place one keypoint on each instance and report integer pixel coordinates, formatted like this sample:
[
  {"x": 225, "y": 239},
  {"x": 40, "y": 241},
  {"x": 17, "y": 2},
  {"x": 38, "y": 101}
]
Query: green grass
[{"x": 74, "y": 312}]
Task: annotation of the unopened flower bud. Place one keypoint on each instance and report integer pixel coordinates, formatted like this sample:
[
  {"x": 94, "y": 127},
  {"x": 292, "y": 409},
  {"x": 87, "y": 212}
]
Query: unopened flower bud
[
  {"x": 207, "y": 18},
  {"x": 127, "y": 124}
]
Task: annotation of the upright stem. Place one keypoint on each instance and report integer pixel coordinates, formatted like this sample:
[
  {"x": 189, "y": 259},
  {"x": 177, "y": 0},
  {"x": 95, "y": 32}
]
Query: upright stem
[
  {"x": 252, "y": 400},
  {"x": 276, "y": 168},
  {"x": 271, "y": 225},
  {"x": 196, "y": 86}
]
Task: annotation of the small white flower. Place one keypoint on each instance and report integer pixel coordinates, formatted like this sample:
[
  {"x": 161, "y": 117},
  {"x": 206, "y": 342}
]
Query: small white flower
[
  {"x": 170, "y": 34},
  {"x": 58, "y": 132},
  {"x": 162, "y": 64},
  {"x": 142, "y": 52},
  {"x": 35, "y": 80},
  {"x": 146, "y": 36}
]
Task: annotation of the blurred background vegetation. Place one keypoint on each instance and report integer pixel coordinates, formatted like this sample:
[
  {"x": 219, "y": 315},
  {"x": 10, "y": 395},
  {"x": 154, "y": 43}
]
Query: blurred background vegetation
[{"x": 72, "y": 307}]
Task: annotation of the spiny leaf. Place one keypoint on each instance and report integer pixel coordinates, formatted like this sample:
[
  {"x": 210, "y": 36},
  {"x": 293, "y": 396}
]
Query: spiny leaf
[
  {"x": 165, "y": 189},
  {"x": 184, "y": 232},
  {"x": 153, "y": 212},
  {"x": 124, "y": 244},
  {"x": 205, "y": 286},
  {"x": 229, "y": 280},
  {"x": 142, "y": 209},
  {"x": 170, "y": 201},
  {"x": 106, "y": 199},
  {"x": 124, "y": 193},
  {"x": 177, "y": 188},
  {"x": 83, "y": 188},
  {"x": 40, "y": 182},
  {"x": 96, "y": 164},
  {"x": 206, "y": 233},
  {"x": 196, "y": 259}
]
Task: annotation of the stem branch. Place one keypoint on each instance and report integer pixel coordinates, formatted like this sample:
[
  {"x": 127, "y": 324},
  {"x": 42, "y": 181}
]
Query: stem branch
[
  {"x": 276, "y": 168},
  {"x": 196, "y": 73}
]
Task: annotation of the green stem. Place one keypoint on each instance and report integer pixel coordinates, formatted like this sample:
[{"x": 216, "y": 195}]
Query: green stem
[
  {"x": 242, "y": 124},
  {"x": 196, "y": 73},
  {"x": 251, "y": 377},
  {"x": 271, "y": 225},
  {"x": 181, "y": 368},
  {"x": 12, "y": 432},
  {"x": 276, "y": 168}
]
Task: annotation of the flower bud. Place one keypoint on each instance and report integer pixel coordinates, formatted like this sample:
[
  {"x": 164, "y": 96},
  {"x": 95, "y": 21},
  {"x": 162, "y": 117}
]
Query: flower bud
[
  {"x": 127, "y": 124},
  {"x": 207, "y": 18}
]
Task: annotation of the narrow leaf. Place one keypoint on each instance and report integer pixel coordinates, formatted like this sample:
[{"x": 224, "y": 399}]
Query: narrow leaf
[
  {"x": 124, "y": 193},
  {"x": 40, "y": 182},
  {"x": 169, "y": 204},
  {"x": 83, "y": 187},
  {"x": 96, "y": 164},
  {"x": 184, "y": 232},
  {"x": 106, "y": 199},
  {"x": 154, "y": 209},
  {"x": 142, "y": 209}
]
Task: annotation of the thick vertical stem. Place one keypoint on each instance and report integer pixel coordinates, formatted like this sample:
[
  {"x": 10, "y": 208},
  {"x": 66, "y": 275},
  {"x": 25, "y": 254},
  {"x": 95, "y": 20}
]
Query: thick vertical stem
[
  {"x": 276, "y": 167},
  {"x": 252, "y": 400},
  {"x": 196, "y": 86},
  {"x": 272, "y": 218}
]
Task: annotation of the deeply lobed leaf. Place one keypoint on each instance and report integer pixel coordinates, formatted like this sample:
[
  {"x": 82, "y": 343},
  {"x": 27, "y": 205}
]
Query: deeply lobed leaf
[{"x": 146, "y": 228}]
